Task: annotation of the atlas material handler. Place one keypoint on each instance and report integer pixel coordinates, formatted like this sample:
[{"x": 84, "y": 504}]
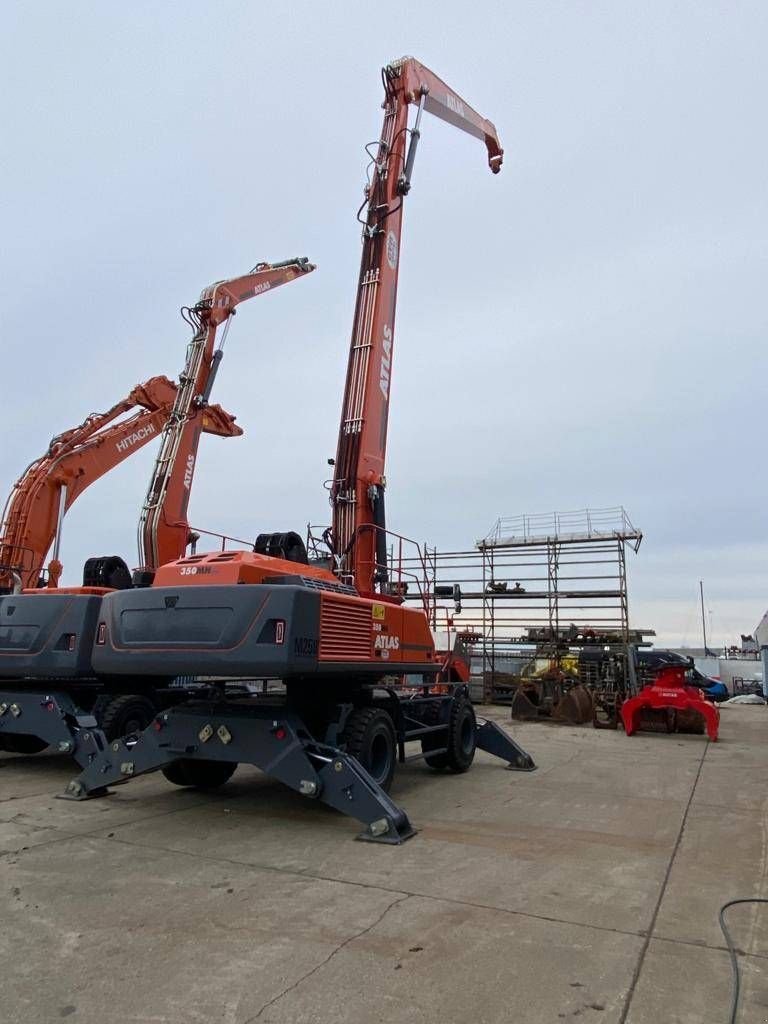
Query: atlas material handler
[
  {"x": 46, "y": 635},
  {"x": 337, "y": 635}
]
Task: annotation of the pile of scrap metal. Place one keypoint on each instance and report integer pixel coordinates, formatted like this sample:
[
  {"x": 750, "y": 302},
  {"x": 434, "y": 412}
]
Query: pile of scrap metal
[
  {"x": 608, "y": 684},
  {"x": 576, "y": 675},
  {"x": 552, "y": 686}
]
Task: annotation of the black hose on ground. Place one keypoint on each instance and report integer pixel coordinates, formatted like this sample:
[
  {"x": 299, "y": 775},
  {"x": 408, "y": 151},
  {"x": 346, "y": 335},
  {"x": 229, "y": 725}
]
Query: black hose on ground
[{"x": 735, "y": 991}]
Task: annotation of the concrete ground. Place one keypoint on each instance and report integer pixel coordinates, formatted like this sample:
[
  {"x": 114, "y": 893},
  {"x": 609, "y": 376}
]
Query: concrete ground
[{"x": 587, "y": 891}]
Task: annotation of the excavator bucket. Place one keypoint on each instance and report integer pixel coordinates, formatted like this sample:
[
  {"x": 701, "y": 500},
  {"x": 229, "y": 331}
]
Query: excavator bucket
[
  {"x": 575, "y": 706},
  {"x": 523, "y": 706},
  {"x": 219, "y": 422},
  {"x": 549, "y": 699}
]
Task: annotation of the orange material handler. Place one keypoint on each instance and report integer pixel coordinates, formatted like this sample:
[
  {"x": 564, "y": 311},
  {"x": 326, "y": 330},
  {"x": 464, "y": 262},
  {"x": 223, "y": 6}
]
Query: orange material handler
[{"x": 334, "y": 631}]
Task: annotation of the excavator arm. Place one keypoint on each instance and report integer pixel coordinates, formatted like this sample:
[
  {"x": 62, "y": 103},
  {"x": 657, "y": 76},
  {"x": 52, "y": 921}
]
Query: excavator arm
[
  {"x": 442, "y": 102},
  {"x": 358, "y": 532},
  {"x": 35, "y": 509},
  {"x": 163, "y": 526}
]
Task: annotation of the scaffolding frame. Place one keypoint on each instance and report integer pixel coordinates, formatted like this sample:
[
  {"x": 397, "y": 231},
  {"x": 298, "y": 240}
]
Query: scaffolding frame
[{"x": 553, "y": 583}]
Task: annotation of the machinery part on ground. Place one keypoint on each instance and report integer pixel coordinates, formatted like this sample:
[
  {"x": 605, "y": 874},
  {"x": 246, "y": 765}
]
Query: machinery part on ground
[
  {"x": 199, "y": 774},
  {"x": 369, "y": 736},
  {"x": 690, "y": 721},
  {"x": 34, "y": 511},
  {"x": 665, "y": 700},
  {"x": 561, "y": 699},
  {"x": 575, "y": 706},
  {"x": 525, "y": 703}
]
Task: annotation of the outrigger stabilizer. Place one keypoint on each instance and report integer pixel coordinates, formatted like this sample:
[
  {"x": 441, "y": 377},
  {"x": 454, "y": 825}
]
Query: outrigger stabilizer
[{"x": 200, "y": 744}]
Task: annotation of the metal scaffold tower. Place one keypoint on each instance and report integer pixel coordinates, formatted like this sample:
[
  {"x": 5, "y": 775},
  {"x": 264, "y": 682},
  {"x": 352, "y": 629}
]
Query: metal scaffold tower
[{"x": 547, "y": 583}]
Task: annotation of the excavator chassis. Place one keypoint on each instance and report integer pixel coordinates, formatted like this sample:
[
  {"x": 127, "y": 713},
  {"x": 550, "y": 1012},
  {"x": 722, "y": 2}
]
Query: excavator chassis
[
  {"x": 32, "y": 720},
  {"x": 68, "y": 718},
  {"x": 50, "y": 696},
  {"x": 276, "y": 738}
]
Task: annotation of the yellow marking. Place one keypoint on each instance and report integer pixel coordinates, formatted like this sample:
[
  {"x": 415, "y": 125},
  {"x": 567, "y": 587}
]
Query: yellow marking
[{"x": 379, "y": 611}]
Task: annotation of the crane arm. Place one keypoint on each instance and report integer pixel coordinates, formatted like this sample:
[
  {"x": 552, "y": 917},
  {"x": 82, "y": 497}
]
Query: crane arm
[
  {"x": 163, "y": 526},
  {"x": 75, "y": 459},
  {"x": 358, "y": 537},
  {"x": 443, "y": 102}
]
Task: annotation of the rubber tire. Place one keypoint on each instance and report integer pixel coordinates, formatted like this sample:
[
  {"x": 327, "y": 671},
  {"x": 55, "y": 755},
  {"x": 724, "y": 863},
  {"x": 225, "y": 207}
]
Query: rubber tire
[
  {"x": 199, "y": 774},
  {"x": 460, "y": 741},
  {"x": 127, "y": 713},
  {"x": 363, "y": 728},
  {"x": 21, "y": 743}
]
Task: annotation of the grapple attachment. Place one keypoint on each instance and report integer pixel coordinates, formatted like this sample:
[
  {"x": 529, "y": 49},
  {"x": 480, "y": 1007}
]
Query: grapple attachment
[{"x": 670, "y": 705}]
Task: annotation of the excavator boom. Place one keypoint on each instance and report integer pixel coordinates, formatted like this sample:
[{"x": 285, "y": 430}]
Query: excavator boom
[
  {"x": 75, "y": 459},
  {"x": 163, "y": 526},
  {"x": 443, "y": 102},
  {"x": 358, "y": 536}
]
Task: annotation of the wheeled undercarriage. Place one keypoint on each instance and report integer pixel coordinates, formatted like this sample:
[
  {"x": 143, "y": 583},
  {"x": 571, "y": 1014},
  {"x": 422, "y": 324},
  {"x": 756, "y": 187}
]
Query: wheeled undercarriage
[
  {"x": 332, "y": 733},
  {"x": 342, "y": 753}
]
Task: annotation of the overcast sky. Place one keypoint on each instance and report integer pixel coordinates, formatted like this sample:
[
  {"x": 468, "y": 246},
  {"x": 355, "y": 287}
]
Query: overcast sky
[{"x": 587, "y": 328}]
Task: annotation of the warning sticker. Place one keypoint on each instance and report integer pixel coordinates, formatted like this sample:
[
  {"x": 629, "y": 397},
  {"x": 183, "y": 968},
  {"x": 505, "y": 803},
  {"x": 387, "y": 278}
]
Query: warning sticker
[{"x": 379, "y": 611}]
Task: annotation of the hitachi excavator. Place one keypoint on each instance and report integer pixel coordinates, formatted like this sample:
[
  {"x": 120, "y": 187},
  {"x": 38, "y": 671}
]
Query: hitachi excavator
[
  {"x": 45, "y": 632},
  {"x": 34, "y": 512},
  {"x": 335, "y": 632}
]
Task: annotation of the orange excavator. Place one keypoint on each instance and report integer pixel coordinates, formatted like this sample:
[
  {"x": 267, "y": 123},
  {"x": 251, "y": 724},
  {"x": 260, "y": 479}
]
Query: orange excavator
[
  {"x": 45, "y": 633},
  {"x": 335, "y": 631},
  {"x": 34, "y": 512}
]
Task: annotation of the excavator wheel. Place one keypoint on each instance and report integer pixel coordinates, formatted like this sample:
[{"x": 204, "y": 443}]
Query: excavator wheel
[
  {"x": 461, "y": 740},
  {"x": 124, "y": 714},
  {"x": 369, "y": 735},
  {"x": 199, "y": 774},
  {"x": 21, "y": 743}
]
